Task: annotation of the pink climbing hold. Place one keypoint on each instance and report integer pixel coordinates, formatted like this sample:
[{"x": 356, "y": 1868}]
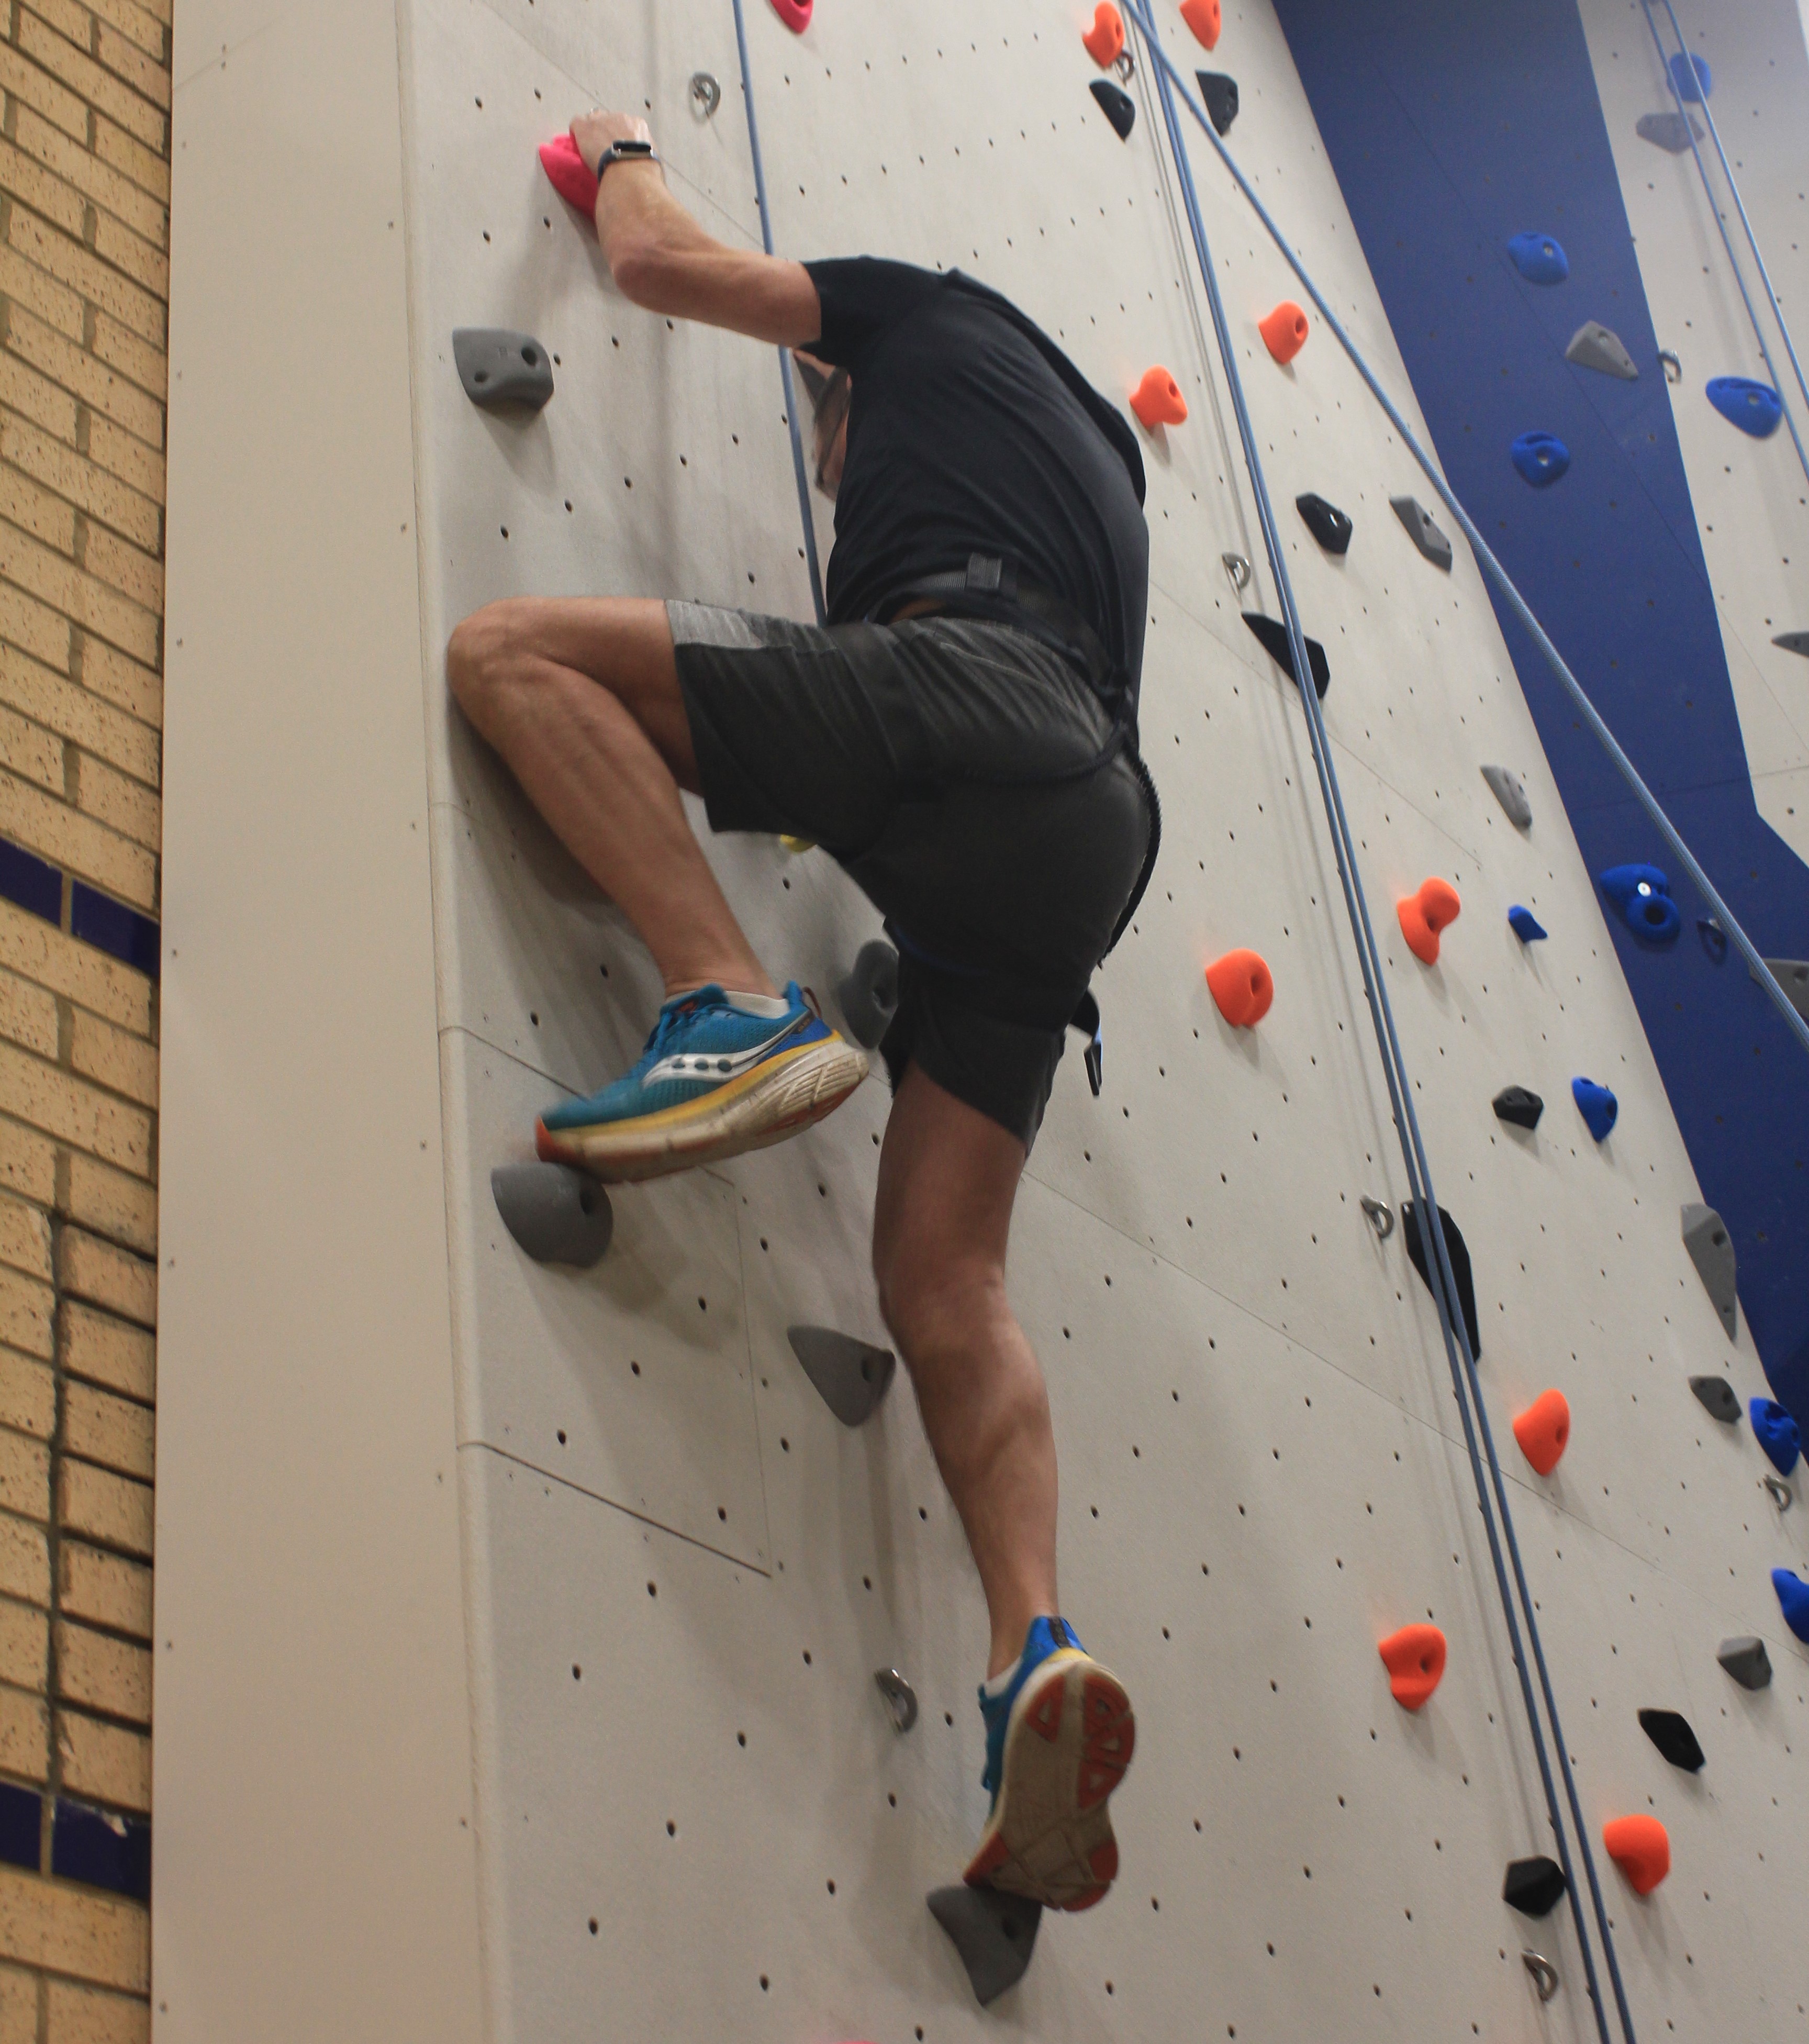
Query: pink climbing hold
[
  {"x": 794, "y": 13},
  {"x": 568, "y": 174}
]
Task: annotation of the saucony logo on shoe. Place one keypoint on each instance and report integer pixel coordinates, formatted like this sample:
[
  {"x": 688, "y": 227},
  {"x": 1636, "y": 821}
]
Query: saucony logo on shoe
[{"x": 722, "y": 1064}]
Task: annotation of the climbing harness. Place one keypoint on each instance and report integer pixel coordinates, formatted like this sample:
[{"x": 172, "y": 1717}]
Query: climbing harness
[{"x": 1498, "y": 1522}]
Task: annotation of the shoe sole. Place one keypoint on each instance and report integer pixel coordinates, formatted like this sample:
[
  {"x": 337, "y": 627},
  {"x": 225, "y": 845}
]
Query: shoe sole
[
  {"x": 1070, "y": 1738},
  {"x": 774, "y": 1100}
]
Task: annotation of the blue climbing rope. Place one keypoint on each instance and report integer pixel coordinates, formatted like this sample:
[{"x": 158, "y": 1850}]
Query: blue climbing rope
[
  {"x": 1461, "y": 1361},
  {"x": 798, "y": 467},
  {"x": 1795, "y": 1022},
  {"x": 1721, "y": 222}
]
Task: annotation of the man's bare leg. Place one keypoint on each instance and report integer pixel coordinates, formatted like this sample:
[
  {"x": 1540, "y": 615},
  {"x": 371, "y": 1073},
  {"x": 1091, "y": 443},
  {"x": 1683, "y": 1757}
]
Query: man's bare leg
[
  {"x": 947, "y": 1179},
  {"x": 580, "y": 696}
]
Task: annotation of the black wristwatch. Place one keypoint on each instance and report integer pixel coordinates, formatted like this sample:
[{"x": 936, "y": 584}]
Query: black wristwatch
[{"x": 625, "y": 152}]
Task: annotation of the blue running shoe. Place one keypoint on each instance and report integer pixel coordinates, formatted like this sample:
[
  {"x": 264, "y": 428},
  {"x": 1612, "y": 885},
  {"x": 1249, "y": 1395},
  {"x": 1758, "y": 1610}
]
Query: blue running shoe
[
  {"x": 1058, "y": 1739},
  {"x": 721, "y": 1073}
]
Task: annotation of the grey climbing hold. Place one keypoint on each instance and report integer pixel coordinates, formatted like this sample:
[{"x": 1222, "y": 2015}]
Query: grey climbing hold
[
  {"x": 1719, "y": 1397},
  {"x": 852, "y": 1376},
  {"x": 1746, "y": 1661},
  {"x": 556, "y": 1215},
  {"x": 1793, "y": 975},
  {"x": 1516, "y": 1104},
  {"x": 498, "y": 367},
  {"x": 900, "y": 1698},
  {"x": 1594, "y": 346},
  {"x": 1508, "y": 792},
  {"x": 1711, "y": 1251},
  {"x": 1219, "y": 90},
  {"x": 1793, "y": 642},
  {"x": 1544, "y": 1974},
  {"x": 1424, "y": 534},
  {"x": 1671, "y": 131},
  {"x": 994, "y": 1933},
  {"x": 868, "y": 997},
  {"x": 1673, "y": 1735}
]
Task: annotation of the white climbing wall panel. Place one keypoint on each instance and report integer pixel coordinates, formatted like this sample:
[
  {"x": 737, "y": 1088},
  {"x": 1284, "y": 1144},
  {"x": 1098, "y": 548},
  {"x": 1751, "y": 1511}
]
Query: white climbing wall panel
[{"x": 695, "y": 1816}]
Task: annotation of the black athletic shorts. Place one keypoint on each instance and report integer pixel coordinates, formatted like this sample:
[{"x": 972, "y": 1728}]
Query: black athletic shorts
[{"x": 948, "y": 764}]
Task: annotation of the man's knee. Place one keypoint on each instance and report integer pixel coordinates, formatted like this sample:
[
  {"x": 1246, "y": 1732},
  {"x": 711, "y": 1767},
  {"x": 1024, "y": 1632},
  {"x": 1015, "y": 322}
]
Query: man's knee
[
  {"x": 482, "y": 654},
  {"x": 933, "y": 1296}
]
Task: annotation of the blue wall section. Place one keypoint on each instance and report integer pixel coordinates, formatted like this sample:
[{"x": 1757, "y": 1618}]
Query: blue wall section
[{"x": 1451, "y": 128}]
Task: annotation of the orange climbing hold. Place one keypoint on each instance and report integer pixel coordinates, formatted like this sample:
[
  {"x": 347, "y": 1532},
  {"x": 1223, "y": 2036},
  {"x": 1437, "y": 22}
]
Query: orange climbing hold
[
  {"x": 1202, "y": 17},
  {"x": 1242, "y": 985},
  {"x": 1415, "y": 1659},
  {"x": 1284, "y": 331},
  {"x": 1641, "y": 1848},
  {"x": 1423, "y": 916},
  {"x": 1105, "y": 39},
  {"x": 1543, "y": 1430},
  {"x": 1157, "y": 402}
]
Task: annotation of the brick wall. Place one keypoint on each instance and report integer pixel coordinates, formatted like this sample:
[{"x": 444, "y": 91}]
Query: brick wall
[{"x": 84, "y": 187}]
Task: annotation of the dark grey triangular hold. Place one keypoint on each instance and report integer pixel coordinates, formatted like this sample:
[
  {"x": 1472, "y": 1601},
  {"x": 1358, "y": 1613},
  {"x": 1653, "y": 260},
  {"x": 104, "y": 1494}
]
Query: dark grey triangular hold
[
  {"x": 1746, "y": 1661},
  {"x": 557, "y": 1216},
  {"x": 1669, "y": 131},
  {"x": 868, "y": 997},
  {"x": 852, "y": 1376},
  {"x": 994, "y": 1933},
  {"x": 1421, "y": 530},
  {"x": 1711, "y": 1251},
  {"x": 1534, "y": 1887},
  {"x": 1219, "y": 91},
  {"x": 1329, "y": 525},
  {"x": 1594, "y": 346},
  {"x": 1517, "y": 1104},
  {"x": 1507, "y": 791},
  {"x": 1458, "y": 1250},
  {"x": 1674, "y": 1736},
  {"x": 1793, "y": 642},
  {"x": 499, "y": 367},
  {"x": 1793, "y": 975},
  {"x": 1721, "y": 1400}
]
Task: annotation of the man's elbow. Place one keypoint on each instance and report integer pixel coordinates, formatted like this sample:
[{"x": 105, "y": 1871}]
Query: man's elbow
[{"x": 644, "y": 272}]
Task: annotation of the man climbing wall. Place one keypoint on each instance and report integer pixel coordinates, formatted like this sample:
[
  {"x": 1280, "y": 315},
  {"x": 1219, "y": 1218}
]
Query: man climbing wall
[{"x": 962, "y": 737}]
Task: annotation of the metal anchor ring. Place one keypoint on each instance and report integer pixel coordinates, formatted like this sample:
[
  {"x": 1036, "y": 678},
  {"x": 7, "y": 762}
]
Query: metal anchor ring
[
  {"x": 1673, "y": 369},
  {"x": 1237, "y": 568},
  {"x": 706, "y": 94},
  {"x": 1781, "y": 1494},
  {"x": 1544, "y": 1974},
  {"x": 899, "y": 1696},
  {"x": 1381, "y": 1216}
]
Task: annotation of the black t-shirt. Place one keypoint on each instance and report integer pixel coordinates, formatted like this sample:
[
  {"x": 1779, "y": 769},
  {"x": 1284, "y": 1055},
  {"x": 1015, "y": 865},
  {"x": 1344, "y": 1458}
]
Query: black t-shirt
[{"x": 970, "y": 431}]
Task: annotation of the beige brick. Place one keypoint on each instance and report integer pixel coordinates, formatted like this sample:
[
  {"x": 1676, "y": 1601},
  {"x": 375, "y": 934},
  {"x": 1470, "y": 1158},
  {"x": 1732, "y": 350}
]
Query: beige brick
[
  {"x": 126, "y": 251},
  {"x": 106, "y": 1589},
  {"x": 106, "y": 671},
  {"x": 65, "y": 710},
  {"x": 124, "y": 566},
  {"x": 27, "y": 1311},
  {"x": 107, "y": 1351},
  {"x": 24, "y": 1237},
  {"x": 113, "y": 1130},
  {"x": 28, "y": 1395},
  {"x": 142, "y": 72},
  {"x": 119, "y": 348},
  {"x": 53, "y": 831},
  {"x": 102, "y": 1507},
  {"x": 27, "y": 285},
  {"x": 111, "y": 1431},
  {"x": 84, "y": 2015},
  {"x": 33, "y": 626},
  {"x": 25, "y": 1561},
  {"x": 126, "y": 456},
  {"x": 69, "y": 19},
  {"x": 112, "y": 1058},
  {"x": 33, "y": 185},
  {"x": 27, "y": 1163},
  {"x": 27, "y": 1014},
  {"x": 28, "y": 748},
  {"x": 59, "y": 467},
  {"x": 104, "y": 1761},
  {"x": 18, "y": 2007},
  {"x": 160, "y": 9},
  {"x": 90, "y": 978},
  {"x": 128, "y": 155},
  {"x": 30, "y": 85},
  {"x": 25, "y": 1476},
  {"x": 65, "y": 258},
  {"x": 55, "y": 356},
  {"x": 118, "y": 801},
  {"x": 97, "y": 87},
  {"x": 88, "y": 1268},
  {"x": 105, "y": 1674},
  {"x": 34, "y": 510},
  {"x": 147, "y": 31},
  {"x": 53, "y": 580},
  {"x": 69, "y": 158},
  {"x": 72, "y": 1930},
  {"x": 24, "y": 1647},
  {"x": 24, "y": 1738},
  {"x": 37, "y": 398},
  {"x": 107, "y": 1201}
]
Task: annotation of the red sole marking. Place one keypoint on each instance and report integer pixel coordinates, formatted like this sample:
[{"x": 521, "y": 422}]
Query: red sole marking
[{"x": 1045, "y": 1716}]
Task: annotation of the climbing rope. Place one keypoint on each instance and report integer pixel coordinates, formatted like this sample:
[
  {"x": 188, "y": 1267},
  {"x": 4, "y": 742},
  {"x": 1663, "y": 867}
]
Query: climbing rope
[
  {"x": 1498, "y": 1521},
  {"x": 785, "y": 353},
  {"x": 1795, "y": 1022},
  {"x": 1689, "y": 133}
]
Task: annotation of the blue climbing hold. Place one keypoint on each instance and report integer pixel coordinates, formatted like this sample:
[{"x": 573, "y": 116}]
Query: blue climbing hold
[
  {"x": 1693, "y": 77},
  {"x": 1793, "y": 1594},
  {"x": 1754, "y": 408},
  {"x": 1777, "y": 1433},
  {"x": 1539, "y": 258},
  {"x": 1524, "y": 924},
  {"x": 1598, "y": 1106},
  {"x": 1642, "y": 894},
  {"x": 1541, "y": 458}
]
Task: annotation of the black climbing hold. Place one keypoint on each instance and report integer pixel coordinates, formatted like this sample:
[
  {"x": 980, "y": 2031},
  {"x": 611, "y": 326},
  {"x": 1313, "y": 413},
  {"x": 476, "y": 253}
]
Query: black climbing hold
[
  {"x": 1714, "y": 937},
  {"x": 1525, "y": 924},
  {"x": 1516, "y": 1104},
  {"x": 1670, "y": 1732},
  {"x": 498, "y": 367},
  {"x": 556, "y": 1215},
  {"x": 1508, "y": 792},
  {"x": 868, "y": 997},
  {"x": 1459, "y": 1254},
  {"x": 1711, "y": 1251},
  {"x": 1793, "y": 642},
  {"x": 1118, "y": 106},
  {"x": 1755, "y": 408},
  {"x": 1421, "y": 530},
  {"x": 1793, "y": 975},
  {"x": 1718, "y": 1395},
  {"x": 852, "y": 1377},
  {"x": 1539, "y": 258},
  {"x": 1326, "y": 522},
  {"x": 1746, "y": 1661},
  {"x": 1534, "y": 1887},
  {"x": 994, "y": 1933},
  {"x": 1691, "y": 77},
  {"x": 1274, "y": 637},
  {"x": 1594, "y": 346},
  {"x": 1219, "y": 91},
  {"x": 1541, "y": 457},
  {"x": 1671, "y": 131},
  {"x": 1642, "y": 894}
]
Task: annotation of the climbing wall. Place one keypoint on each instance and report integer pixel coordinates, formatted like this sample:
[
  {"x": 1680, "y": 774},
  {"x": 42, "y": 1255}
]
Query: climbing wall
[{"x": 695, "y": 1814}]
